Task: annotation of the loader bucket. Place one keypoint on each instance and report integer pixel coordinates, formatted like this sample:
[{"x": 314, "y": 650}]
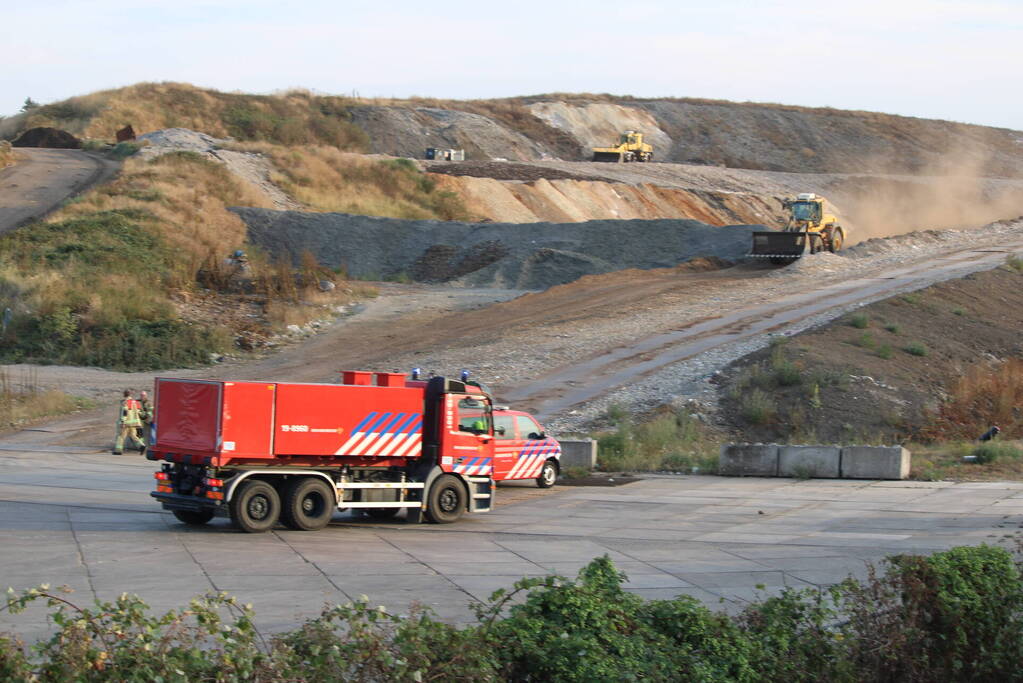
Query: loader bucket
[
  {"x": 778, "y": 246},
  {"x": 614, "y": 157}
]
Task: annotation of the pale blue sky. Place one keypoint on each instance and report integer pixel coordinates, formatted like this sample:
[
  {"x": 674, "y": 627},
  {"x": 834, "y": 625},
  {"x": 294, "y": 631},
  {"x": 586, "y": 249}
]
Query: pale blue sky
[{"x": 953, "y": 59}]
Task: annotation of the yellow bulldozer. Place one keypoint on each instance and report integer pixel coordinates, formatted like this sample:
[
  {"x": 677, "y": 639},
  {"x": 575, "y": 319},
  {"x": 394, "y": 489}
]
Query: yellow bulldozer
[
  {"x": 630, "y": 147},
  {"x": 810, "y": 229}
]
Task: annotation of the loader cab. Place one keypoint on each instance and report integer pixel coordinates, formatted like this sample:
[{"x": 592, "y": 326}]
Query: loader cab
[
  {"x": 808, "y": 210},
  {"x": 631, "y": 137}
]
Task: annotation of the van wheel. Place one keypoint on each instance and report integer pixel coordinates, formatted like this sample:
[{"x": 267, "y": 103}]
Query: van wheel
[
  {"x": 308, "y": 504},
  {"x": 255, "y": 506},
  {"x": 548, "y": 475},
  {"x": 194, "y": 517},
  {"x": 446, "y": 502}
]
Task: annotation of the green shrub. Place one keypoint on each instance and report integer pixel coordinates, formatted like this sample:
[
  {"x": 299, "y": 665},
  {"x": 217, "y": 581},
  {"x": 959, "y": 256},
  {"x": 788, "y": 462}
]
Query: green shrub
[
  {"x": 860, "y": 321},
  {"x": 954, "y": 616},
  {"x": 892, "y": 327},
  {"x": 992, "y": 450},
  {"x": 958, "y": 311},
  {"x": 916, "y": 349},
  {"x": 1015, "y": 262},
  {"x": 884, "y": 351},
  {"x": 911, "y": 299},
  {"x": 673, "y": 441},
  {"x": 123, "y": 150},
  {"x": 783, "y": 372}
]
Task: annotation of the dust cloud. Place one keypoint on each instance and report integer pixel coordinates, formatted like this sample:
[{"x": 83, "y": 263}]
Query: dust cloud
[{"x": 951, "y": 195}]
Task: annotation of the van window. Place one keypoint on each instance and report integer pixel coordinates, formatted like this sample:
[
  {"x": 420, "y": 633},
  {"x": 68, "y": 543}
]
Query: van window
[
  {"x": 528, "y": 428},
  {"x": 504, "y": 427}
]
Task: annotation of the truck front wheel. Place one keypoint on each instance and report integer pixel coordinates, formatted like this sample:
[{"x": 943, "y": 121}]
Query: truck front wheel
[
  {"x": 308, "y": 504},
  {"x": 255, "y": 506},
  {"x": 446, "y": 501}
]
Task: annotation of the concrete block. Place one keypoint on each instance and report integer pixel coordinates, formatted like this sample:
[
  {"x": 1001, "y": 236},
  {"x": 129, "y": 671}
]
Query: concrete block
[
  {"x": 578, "y": 453},
  {"x": 815, "y": 462},
  {"x": 875, "y": 462},
  {"x": 748, "y": 460}
]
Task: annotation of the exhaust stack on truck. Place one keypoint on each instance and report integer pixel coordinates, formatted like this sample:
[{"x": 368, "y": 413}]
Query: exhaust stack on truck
[{"x": 268, "y": 452}]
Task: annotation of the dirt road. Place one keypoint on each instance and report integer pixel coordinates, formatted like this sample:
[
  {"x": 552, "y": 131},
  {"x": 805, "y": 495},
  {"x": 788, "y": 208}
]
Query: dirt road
[{"x": 44, "y": 178}]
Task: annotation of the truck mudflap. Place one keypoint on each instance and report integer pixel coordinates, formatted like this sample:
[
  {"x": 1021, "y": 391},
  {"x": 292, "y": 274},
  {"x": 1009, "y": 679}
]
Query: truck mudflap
[
  {"x": 178, "y": 501},
  {"x": 780, "y": 245}
]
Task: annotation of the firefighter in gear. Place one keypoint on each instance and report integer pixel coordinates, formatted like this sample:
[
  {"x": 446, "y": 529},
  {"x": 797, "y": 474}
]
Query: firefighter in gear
[
  {"x": 147, "y": 413},
  {"x": 129, "y": 423}
]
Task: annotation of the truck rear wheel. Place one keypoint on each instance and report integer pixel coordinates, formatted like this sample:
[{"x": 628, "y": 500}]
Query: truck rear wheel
[
  {"x": 255, "y": 506},
  {"x": 446, "y": 501},
  {"x": 548, "y": 475},
  {"x": 308, "y": 504},
  {"x": 194, "y": 517}
]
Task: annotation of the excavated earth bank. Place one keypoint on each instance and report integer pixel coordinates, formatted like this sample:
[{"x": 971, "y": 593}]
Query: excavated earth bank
[{"x": 518, "y": 256}]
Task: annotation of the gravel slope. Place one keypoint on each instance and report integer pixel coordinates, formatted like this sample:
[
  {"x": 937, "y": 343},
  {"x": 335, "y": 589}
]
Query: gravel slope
[{"x": 518, "y": 256}]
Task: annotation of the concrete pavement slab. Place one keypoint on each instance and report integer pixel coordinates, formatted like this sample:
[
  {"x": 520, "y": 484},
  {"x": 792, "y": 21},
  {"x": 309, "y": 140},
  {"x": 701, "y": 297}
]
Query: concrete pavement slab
[{"x": 707, "y": 531}]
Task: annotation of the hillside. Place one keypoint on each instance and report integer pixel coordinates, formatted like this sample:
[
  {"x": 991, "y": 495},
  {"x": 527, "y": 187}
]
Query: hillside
[{"x": 557, "y": 126}]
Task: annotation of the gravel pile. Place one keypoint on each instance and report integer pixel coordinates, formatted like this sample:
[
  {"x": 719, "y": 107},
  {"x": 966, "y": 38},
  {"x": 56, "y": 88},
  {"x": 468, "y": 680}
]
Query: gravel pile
[{"x": 508, "y": 255}]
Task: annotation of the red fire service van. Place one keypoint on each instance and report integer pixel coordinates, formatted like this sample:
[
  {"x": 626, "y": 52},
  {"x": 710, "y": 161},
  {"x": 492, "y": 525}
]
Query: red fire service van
[{"x": 263, "y": 452}]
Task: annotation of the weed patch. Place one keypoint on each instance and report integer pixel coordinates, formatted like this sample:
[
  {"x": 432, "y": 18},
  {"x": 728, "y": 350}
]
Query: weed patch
[
  {"x": 860, "y": 321},
  {"x": 23, "y": 401},
  {"x": 671, "y": 440},
  {"x": 758, "y": 408},
  {"x": 991, "y": 451},
  {"x": 916, "y": 349}
]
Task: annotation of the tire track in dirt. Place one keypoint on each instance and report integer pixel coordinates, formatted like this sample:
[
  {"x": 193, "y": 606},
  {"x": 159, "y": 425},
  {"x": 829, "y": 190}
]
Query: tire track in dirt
[{"x": 560, "y": 390}]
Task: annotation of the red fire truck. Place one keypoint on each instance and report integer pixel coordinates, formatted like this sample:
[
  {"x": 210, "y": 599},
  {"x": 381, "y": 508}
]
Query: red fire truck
[{"x": 263, "y": 452}]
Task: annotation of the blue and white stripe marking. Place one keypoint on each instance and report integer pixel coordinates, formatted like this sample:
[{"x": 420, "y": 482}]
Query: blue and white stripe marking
[
  {"x": 532, "y": 457},
  {"x": 398, "y": 435},
  {"x": 474, "y": 466}
]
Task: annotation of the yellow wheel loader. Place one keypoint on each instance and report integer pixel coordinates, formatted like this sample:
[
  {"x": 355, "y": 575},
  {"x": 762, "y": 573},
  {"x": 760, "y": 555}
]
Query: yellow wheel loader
[
  {"x": 630, "y": 147},
  {"x": 809, "y": 230}
]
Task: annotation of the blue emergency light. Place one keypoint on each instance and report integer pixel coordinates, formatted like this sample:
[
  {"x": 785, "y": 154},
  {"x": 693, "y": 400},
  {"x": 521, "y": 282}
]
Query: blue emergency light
[
  {"x": 416, "y": 372},
  {"x": 465, "y": 375}
]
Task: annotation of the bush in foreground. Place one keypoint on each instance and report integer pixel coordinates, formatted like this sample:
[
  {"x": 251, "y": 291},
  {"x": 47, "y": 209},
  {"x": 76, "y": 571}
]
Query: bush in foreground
[{"x": 956, "y": 615}]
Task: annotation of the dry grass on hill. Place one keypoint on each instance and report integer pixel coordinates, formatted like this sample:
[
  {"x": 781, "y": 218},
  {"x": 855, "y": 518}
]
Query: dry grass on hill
[
  {"x": 291, "y": 118},
  {"x": 133, "y": 275},
  {"x": 327, "y": 179}
]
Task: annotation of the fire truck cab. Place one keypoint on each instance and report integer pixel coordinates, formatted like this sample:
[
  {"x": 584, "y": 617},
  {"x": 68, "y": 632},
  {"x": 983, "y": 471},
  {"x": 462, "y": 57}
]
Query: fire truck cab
[{"x": 262, "y": 453}]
